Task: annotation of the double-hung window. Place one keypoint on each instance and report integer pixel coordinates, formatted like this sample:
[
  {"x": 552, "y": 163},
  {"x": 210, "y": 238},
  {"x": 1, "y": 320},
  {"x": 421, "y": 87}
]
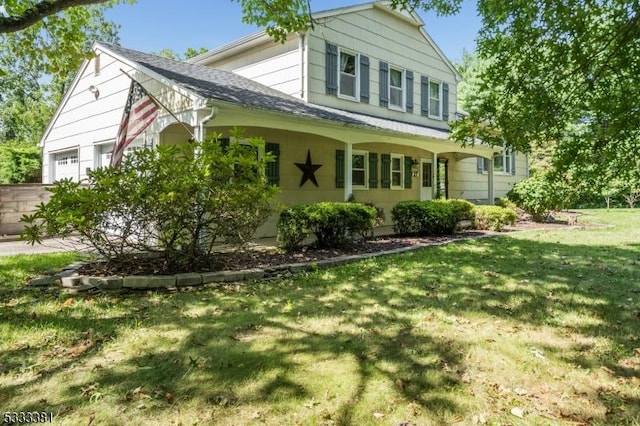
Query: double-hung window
[
  {"x": 435, "y": 99},
  {"x": 397, "y": 171},
  {"x": 503, "y": 163},
  {"x": 396, "y": 88},
  {"x": 348, "y": 75},
  {"x": 359, "y": 172}
]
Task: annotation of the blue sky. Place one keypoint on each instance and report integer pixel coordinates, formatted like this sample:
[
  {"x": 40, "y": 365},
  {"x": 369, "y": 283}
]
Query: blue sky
[{"x": 151, "y": 25}]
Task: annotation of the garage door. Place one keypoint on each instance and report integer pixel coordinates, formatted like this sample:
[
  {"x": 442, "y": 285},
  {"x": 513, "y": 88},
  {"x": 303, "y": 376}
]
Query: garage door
[{"x": 66, "y": 165}]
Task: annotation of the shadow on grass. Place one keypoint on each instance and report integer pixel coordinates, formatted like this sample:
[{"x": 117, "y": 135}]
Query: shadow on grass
[{"x": 355, "y": 327}]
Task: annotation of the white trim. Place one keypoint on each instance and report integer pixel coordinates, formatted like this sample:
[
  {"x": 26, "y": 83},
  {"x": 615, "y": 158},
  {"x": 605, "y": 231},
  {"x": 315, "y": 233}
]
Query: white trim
[
  {"x": 366, "y": 169},
  {"x": 356, "y": 84},
  {"x": 440, "y": 100},
  {"x": 401, "y": 157},
  {"x": 403, "y": 87}
]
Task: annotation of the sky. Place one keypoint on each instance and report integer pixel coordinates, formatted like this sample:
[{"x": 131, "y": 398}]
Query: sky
[{"x": 152, "y": 25}]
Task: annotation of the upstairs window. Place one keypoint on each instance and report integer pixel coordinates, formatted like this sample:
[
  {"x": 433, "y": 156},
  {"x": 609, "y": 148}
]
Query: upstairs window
[
  {"x": 348, "y": 75},
  {"x": 435, "y": 109},
  {"x": 396, "y": 88}
]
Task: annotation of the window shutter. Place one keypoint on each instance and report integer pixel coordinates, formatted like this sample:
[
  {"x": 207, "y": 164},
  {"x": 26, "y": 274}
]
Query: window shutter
[
  {"x": 364, "y": 79},
  {"x": 384, "y": 84},
  {"x": 445, "y": 101},
  {"x": 373, "y": 170},
  {"x": 409, "y": 77},
  {"x": 385, "y": 170},
  {"x": 272, "y": 170},
  {"x": 340, "y": 168},
  {"x": 424, "y": 95},
  {"x": 513, "y": 163},
  {"x": 331, "y": 69},
  {"x": 408, "y": 173},
  {"x": 480, "y": 164}
]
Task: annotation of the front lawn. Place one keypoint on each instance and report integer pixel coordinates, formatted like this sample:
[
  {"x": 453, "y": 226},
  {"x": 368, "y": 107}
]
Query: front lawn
[{"x": 533, "y": 328}]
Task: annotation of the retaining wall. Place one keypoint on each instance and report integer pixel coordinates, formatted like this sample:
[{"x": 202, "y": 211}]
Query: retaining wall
[{"x": 16, "y": 200}]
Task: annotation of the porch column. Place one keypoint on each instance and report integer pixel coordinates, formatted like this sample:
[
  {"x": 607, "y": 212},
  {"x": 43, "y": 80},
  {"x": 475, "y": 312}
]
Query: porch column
[
  {"x": 434, "y": 175},
  {"x": 348, "y": 160},
  {"x": 492, "y": 197}
]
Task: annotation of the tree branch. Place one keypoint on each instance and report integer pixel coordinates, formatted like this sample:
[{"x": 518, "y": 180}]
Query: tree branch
[{"x": 10, "y": 24}]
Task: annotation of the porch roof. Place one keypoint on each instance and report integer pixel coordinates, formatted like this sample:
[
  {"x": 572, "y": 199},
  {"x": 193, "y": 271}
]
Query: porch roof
[{"x": 215, "y": 84}]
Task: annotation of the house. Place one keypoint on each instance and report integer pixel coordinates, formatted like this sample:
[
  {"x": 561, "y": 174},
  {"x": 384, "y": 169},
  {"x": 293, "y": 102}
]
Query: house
[{"x": 366, "y": 95}]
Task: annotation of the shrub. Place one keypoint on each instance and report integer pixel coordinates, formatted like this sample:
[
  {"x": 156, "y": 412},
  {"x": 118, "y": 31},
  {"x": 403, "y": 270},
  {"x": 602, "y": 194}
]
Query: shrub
[
  {"x": 333, "y": 224},
  {"x": 19, "y": 162},
  {"x": 175, "y": 201},
  {"x": 506, "y": 203},
  {"x": 422, "y": 218},
  {"x": 494, "y": 218},
  {"x": 538, "y": 196},
  {"x": 462, "y": 209}
]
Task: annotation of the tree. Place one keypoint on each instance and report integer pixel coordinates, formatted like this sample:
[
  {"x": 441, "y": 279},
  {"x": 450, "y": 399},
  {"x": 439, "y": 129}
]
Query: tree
[{"x": 188, "y": 54}]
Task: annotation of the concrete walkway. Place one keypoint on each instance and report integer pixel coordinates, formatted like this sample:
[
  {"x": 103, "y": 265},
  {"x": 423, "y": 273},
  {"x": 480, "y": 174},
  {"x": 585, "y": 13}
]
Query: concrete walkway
[{"x": 10, "y": 248}]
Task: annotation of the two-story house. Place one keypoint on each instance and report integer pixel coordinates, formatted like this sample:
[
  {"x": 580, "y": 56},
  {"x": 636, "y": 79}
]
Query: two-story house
[{"x": 366, "y": 95}]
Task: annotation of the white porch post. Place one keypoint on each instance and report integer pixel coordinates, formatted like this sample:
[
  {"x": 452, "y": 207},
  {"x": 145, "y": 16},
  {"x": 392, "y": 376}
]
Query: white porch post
[
  {"x": 348, "y": 160},
  {"x": 491, "y": 191},
  {"x": 434, "y": 176}
]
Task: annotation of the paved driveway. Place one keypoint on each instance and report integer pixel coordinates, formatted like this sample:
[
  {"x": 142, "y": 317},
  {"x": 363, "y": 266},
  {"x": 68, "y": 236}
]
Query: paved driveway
[{"x": 9, "y": 248}]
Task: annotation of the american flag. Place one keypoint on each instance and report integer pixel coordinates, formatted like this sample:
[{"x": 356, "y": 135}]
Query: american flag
[{"x": 139, "y": 113}]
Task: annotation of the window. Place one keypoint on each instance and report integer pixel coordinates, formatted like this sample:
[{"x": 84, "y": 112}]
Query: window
[
  {"x": 73, "y": 159},
  {"x": 396, "y": 88},
  {"x": 62, "y": 161},
  {"x": 359, "y": 175},
  {"x": 434, "y": 99},
  {"x": 348, "y": 75},
  {"x": 502, "y": 162},
  {"x": 397, "y": 171}
]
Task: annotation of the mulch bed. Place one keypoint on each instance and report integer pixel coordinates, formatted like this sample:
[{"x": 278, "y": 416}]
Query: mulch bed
[{"x": 265, "y": 257}]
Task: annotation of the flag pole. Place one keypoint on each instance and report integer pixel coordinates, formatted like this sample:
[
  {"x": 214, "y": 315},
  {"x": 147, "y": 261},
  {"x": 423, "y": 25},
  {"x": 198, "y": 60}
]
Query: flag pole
[{"x": 157, "y": 101}]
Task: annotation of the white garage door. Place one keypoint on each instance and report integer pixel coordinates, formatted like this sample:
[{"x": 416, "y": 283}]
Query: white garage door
[{"x": 66, "y": 165}]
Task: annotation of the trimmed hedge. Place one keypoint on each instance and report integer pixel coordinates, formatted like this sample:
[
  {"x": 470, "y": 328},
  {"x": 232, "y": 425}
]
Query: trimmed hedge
[
  {"x": 436, "y": 217},
  {"x": 333, "y": 224},
  {"x": 462, "y": 209},
  {"x": 493, "y": 217}
]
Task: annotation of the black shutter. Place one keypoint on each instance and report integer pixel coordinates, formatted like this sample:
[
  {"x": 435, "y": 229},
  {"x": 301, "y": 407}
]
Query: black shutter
[
  {"x": 331, "y": 69},
  {"x": 408, "y": 172},
  {"x": 445, "y": 101},
  {"x": 384, "y": 84},
  {"x": 364, "y": 79},
  {"x": 373, "y": 170},
  {"x": 409, "y": 78},
  {"x": 424, "y": 95},
  {"x": 385, "y": 170},
  {"x": 272, "y": 170},
  {"x": 339, "y": 168}
]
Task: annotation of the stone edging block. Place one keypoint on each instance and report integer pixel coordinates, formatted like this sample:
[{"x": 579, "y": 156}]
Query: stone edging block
[{"x": 149, "y": 281}]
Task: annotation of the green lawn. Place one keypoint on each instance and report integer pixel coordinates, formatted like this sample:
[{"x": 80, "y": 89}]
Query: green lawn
[{"x": 533, "y": 328}]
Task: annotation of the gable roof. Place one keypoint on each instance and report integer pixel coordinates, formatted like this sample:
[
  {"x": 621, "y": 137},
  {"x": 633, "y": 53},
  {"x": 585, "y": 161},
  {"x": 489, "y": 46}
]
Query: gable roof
[
  {"x": 261, "y": 37},
  {"x": 215, "y": 84}
]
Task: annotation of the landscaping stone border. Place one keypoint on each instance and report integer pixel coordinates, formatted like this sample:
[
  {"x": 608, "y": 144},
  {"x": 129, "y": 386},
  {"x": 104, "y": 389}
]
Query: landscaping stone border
[{"x": 72, "y": 282}]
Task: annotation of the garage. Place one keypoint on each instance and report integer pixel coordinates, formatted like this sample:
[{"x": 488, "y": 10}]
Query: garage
[{"x": 66, "y": 165}]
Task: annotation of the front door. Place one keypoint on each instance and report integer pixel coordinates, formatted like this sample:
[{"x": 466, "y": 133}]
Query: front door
[{"x": 426, "y": 179}]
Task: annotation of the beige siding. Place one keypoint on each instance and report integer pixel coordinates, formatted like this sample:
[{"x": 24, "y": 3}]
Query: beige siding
[
  {"x": 466, "y": 182},
  {"x": 273, "y": 64},
  {"x": 382, "y": 37}
]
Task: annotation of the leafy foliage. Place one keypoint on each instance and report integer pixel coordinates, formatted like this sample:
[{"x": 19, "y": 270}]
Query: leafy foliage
[
  {"x": 435, "y": 217},
  {"x": 494, "y": 218},
  {"x": 175, "y": 201},
  {"x": 539, "y": 195},
  {"x": 19, "y": 163},
  {"x": 333, "y": 224}
]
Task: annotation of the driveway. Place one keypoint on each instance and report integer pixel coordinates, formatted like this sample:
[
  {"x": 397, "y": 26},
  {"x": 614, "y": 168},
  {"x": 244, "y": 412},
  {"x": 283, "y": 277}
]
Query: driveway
[{"x": 9, "y": 248}]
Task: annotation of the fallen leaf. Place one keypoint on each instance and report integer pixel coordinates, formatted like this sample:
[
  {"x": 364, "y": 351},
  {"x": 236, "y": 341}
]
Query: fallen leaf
[
  {"x": 378, "y": 416},
  {"x": 256, "y": 415},
  {"x": 169, "y": 397},
  {"x": 466, "y": 378},
  {"x": 517, "y": 412},
  {"x": 68, "y": 302},
  {"x": 399, "y": 384},
  {"x": 490, "y": 274},
  {"x": 456, "y": 419},
  {"x": 92, "y": 417}
]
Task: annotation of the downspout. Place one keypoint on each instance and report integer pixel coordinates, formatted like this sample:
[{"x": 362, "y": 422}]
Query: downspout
[
  {"x": 302, "y": 45},
  {"x": 205, "y": 120}
]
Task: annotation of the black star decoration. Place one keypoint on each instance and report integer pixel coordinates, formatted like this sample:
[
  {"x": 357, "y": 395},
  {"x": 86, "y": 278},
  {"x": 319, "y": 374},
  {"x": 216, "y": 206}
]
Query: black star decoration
[{"x": 308, "y": 170}]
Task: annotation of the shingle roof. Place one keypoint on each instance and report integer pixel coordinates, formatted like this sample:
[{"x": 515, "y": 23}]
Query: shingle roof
[{"x": 216, "y": 84}]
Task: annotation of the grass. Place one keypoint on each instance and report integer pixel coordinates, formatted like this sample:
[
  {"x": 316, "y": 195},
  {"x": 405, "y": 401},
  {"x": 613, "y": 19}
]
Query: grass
[{"x": 534, "y": 328}]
